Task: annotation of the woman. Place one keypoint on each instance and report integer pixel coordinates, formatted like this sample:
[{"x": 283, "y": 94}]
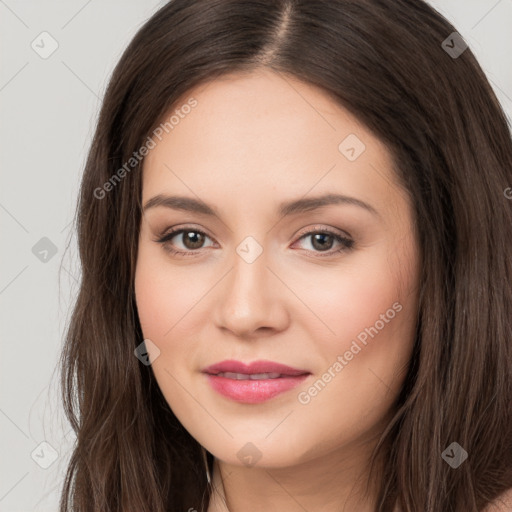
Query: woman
[{"x": 334, "y": 330}]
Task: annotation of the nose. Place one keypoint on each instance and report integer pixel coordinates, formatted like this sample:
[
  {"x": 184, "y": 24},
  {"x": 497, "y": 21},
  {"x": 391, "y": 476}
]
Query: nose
[{"x": 251, "y": 299}]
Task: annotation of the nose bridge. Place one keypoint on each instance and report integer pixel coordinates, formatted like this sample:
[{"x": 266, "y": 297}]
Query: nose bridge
[
  {"x": 249, "y": 300},
  {"x": 249, "y": 279}
]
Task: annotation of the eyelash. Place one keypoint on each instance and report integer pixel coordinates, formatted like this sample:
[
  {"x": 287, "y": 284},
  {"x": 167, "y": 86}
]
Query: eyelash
[{"x": 347, "y": 243}]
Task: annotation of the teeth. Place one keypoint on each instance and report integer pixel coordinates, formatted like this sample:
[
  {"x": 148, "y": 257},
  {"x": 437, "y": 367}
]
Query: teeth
[
  {"x": 257, "y": 376},
  {"x": 243, "y": 376}
]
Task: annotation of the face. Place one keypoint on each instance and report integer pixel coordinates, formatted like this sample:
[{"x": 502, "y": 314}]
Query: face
[{"x": 326, "y": 288}]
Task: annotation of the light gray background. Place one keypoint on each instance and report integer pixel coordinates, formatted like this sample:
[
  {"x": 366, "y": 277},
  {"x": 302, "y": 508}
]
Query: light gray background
[{"x": 48, "y": 112}]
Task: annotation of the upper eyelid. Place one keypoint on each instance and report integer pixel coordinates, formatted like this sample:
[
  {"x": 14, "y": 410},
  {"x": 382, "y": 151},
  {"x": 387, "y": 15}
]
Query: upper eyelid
[
  {"x": 319, "y": 228},
  {"x": 177, "y": 231}
]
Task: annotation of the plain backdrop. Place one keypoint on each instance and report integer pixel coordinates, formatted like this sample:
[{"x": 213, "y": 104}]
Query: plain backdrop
[{"x": 49, "y": 105}]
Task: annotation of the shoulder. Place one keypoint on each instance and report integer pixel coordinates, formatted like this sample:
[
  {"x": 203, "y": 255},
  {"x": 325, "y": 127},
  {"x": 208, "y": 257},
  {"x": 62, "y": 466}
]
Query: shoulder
[{"x": 501, "y": 504}]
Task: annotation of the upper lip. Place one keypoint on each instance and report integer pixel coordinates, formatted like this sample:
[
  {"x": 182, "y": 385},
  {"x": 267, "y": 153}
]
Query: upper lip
[{"x": 255, "y": 367}]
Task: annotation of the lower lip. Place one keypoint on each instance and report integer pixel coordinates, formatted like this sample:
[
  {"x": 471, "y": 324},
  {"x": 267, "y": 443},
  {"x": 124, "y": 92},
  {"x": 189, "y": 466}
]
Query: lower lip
[{"x": 253, "y": 391}]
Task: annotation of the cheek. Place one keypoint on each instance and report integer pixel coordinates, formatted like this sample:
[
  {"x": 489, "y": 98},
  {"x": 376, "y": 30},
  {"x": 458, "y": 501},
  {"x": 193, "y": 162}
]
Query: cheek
[
  {"x": 369, "y": 311},
  {"x": 364, "y": 369},
  {"x": 164, "y": 298},
  {"x": 152, "y": 295},
  {"x": 164, "y": 294},
  {"x": 352, "y": 297}
]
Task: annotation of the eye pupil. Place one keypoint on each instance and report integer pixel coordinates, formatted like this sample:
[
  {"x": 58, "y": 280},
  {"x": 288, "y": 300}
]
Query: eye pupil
[
  {"x": 196, "y": 239},
  {"x": 319, "y": 237}
]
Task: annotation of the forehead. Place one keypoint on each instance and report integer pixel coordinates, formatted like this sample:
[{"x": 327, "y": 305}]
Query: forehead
[
  {"x": 277, "y": 109},
  {"x": 263, "y": 131}
]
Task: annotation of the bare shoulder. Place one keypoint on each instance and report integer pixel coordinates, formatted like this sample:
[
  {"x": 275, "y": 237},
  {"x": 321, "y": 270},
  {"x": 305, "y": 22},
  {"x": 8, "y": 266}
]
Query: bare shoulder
[{"x": 501, "y": 504}]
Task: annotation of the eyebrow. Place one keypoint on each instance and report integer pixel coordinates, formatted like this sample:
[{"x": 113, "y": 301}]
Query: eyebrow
[{"x": 190, "y": 204}]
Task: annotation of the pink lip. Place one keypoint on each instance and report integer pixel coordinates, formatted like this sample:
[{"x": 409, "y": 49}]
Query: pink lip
[
  {"x": 254, "y": 367},
  {"x": 253, "y": 391}
]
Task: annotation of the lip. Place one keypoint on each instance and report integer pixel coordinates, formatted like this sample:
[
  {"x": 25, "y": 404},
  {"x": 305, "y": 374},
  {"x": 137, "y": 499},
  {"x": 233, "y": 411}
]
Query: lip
[
  {"x": 261, "y": 366},
  {"x": 253, "y": 391}
]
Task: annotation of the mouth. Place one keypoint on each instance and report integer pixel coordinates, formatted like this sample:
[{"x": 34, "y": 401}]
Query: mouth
[
  {"x": 253, "y": 383},
  {"x": 251, "y": 376},
  {"x": 266, "y": 368}
]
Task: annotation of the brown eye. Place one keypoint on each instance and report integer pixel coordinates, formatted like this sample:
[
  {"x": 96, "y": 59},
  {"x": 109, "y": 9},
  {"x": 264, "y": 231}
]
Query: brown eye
[
  {"x": 322, "y": 241},
  {"x": 190, "y": 239}
]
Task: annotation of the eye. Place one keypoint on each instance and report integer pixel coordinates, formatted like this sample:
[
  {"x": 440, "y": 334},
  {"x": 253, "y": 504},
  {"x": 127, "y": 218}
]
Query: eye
[
  {"x": 193, "y": 240},
  {"x": 322, "y": 240}
]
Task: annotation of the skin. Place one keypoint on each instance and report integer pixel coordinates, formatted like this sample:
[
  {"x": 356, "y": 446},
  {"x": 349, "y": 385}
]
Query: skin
[{"x": 251, "y": 142}]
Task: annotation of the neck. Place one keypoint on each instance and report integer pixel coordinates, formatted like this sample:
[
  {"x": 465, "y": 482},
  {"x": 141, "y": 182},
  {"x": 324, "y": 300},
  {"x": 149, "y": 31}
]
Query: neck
[{"x": 335, "y": 481}]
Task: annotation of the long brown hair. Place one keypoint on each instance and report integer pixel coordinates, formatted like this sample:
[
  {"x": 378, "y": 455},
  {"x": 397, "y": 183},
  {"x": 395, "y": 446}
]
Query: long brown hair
[{"x": 388, "y": 62}]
